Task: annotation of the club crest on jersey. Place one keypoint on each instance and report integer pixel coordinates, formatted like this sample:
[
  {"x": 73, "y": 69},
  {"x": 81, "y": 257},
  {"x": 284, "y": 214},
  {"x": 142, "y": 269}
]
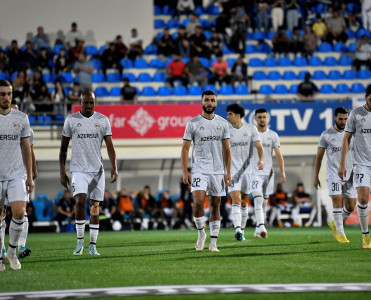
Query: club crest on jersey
[
  {"x": 333, "y": 140},
  {"x": 16, "y": 125},
  {"x": 363, "y": 120},
  {"x": 97, "y": 126},
  {"x": 218, "y": 128},
  {"x": 79, "y": 125},
  {"x": 245, "y": 134},
  {"x": 202, "y": 128}
]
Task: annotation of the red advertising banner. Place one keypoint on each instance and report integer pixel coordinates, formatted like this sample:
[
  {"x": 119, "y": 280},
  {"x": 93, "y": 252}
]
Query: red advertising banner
[{"x": 147, "y": 121}]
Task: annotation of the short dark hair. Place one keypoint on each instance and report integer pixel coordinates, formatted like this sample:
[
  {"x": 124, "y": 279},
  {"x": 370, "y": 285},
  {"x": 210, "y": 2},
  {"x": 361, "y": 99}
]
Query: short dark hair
[
  {"x": 237, "y": 109},
  {"x": 260, "y": 111},
  {"x": 307, "y": 76},
  {"x": 300, "y": 184},
  {"x": 147, "y": 187},
  {"x": 126, "y": 79},
  {"x": 208, "y": 92},
  {"x": 4, "y": 82},
  {"x": 368, "y": 90},
  {"x": 74, "y": 24},
  {"x": 340, "y": 110}
]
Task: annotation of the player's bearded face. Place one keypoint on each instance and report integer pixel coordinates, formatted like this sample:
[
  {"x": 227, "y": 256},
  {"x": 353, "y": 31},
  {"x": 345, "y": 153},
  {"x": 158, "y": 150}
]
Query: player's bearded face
[
  {"x": 209, "y": 108},
  {"x": 5, "y": 97}
]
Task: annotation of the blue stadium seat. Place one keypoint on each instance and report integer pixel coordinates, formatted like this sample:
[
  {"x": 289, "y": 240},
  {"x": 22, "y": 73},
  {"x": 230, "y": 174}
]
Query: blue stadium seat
[
  {"x": 144, "y": 77},
  {"x": 315, "y": 61},
  {"x": 48, "y": 77},
  {"x": 199, "y": 10},
  {"x": 325, "y": 47},
  {"x": 113, "y": 77},
  {"x": 67, "y": 90},
  {"x": 300, "y": 61},
  {"x": 281, "y": 89},
  {"x": 156, "y": 63},
  {"x": 284, "y": 61},
  {"x": 358, "y": 88},
  {"x": 205, "y": 23},
  {"x": 350, "y": 33},
  {"x": 301, "y": 75},
  {"x": 212, "y": 10},
  {"x": 210, "y": 87},
  {"x": 226, "y": 50},
  {"x": 186, "y": 21},
  {"x": 251, "y": 49},
  {"x": 97, "y": 77},
  {"x": 173, "y": 23},
  {"x": 364, "y": 74},
  {"x": 362, "y": 32},
  {"x": 274, "y": 75},
  {"x": 255, "y": 62},
  {"x": 180, "y": 90},
  {"x": 97, "y": 64},
  {"x": 102, "y": 48},
  {"x": 51, "y": 89},
  {"x": 91, "y": 50},
  {"x": 271, "y": 34},
  {"x": 140, "y": 63},
  {"x": 148, "y": 91},
  {"x": 130, "y": 76},
  {"x": 159, "y": 77},
  {"x": 345, "y": 60},
  {"x": 43, "y": 208},
  {"x": 159, "y": 24},
  {"x": 57, "y": 48},
  {"x": 340, "y": 47},
  {"x": 342, "y": 88},
  {"x": 265, "y": 48},
  {"x": 101, "y": 91},
  {"x": 44, "y": 120},
  {"x": 4, "y": 76},
  {"x": 13, "y": 76},
  {"x": 66, "y": 77},
  {"x": 270, "y": 62},
  {"x": 265, "y": 89},
  {"x": 258, "y": 35},
  {"x": 151, "y": 49},
  {"x": 226, "y": 90},
  {"x": 353, "y": 8},
  {"x": 330, "y": 61},
  {"x": 126, "y": 63},
  {"x": 334, "y": 75},
  {"x": 164, "y": 91},
  {"x": 204, "y": 61},
  {"x": 327, "y": 89},
  {"x": 230, "y": 62},
  {"x": 352, "y": 47},
  {"x": 241, "y": 89},
  {"x": 157, "y": 11},
  {"x": 293, "y": 88},
  {"x": 349, "y": 74},
  {"x": 167, "y": 61},
  {"x": 319, "y": 75},
  {"x": 288, "y": 33},
  {"x": 159, "y": 35},
  {"x": 195, "y": 90},
  {"x": 289, "y": 75},
  {"x": 208, "y": 34},
  {"x": 259, "y": 75},
  {"x": 115, "y": 91},
  {"x": 167, "y": 10}
]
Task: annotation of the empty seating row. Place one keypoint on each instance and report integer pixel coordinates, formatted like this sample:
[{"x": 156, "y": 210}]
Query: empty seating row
[
  {"x": 199, "y": 10},
  {"x": 301, "y": 61}
]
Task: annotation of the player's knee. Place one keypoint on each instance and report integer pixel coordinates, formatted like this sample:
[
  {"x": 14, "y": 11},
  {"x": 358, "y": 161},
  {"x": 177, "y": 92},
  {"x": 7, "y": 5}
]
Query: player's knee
[
  {"x": 350, "y": 205},
  {"x": 94, "y": 208}
]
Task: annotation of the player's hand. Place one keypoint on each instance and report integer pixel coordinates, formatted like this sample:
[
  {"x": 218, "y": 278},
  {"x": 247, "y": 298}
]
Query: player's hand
[
  {"x": 114, "y": 175},
  {"x": 29, "y": 185},
  {"x": 187, "y": 178},
  {"x": 316, "y": 183},
  {"x": 228, "y": 180},
  {"x": 342, "y": 172},
  {"x": 283, "y": 177},
  {"x": 65, "y": 181},
  {"x": 34, "y": 176},
  {"x": 260, "y": 165}
]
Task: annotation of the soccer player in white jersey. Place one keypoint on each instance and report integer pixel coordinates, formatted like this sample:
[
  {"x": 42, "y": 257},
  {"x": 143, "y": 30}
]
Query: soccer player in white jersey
[
  {"x": 15, "y": 157},
  {"x": 263, "y": 180},
  {"x": 331, "y": 141},
  {"x": 87, "y": 129},
  {"x": 211, "y": 161},
  {"x": 243, "y": 138},
  {"x": 359, "y": 127}
]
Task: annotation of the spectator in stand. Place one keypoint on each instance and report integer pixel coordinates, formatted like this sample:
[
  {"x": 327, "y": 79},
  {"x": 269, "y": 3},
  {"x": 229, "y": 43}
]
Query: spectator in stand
[
  {"x": 280, "y": 42},
  {"x": 77, "y": 50},
  {"x": 14, "y": 57},
  {"x": 182, "y": 42},
  {"x": 145, "y": 202},
  {"x": 362, "y": 55},
  {"x": 302, "y": 200},
  {"x": 29, "y": 59},
  {"x": 292, "y": 14},
  {"x": 239, "y": 71},
  {"x": 39, "y": 93},
  {"x": 354, "y": 25},
  {"x": 307, "y": 90},
  {"x": 198, "y": 44},
  {"x": 310, "y": 42},
  {"x": 108, "y": 212},
  {"x": 84, "y": 69},
  {"x": 187, "y": 198},
  {"x": 121, "y": 48},
  {"x": 61, "y": 62},
  {"x": 279, "y": 202},
  {"x": 166, "y": 45},
  {"x": 43, "y": 60},
  {"x": 3, "y": 62},
  {"x": 73, "y": 35},
  {"x": 336, "y": 29},
  {"x": 222, "y": 27},
  {"x": 20, "y": 87},
  {"x": 41, "y": 40},
  {"x": 319, "y": 28},
  {"x": 75, "y": 93},
  {"x": 128, "y": 93},
  {"x": 176, "y": 71},
  {"x": 125, "y": 204},
  {"x": 170, "y": 212},
  {"x": 111, "y": 59},
  {"x": 215, "y": 44},
  {"x": 185, "y": 7},
  {"x": 239, "y": 28},
  {"x": 135, "y": 45},
  {"x": 196, "y": 72},
  {"x": 277, "y": 13},
  {"x": 66, "y": 208},
  {"x": 296, "y": 42},
  {"x": 263, "y": 15},
  {"x": 58, "y": 98},
  {"x": 191, "y": 26},
  {"x": 366, "y": 14},
  {"x": 220, "y": 70}
]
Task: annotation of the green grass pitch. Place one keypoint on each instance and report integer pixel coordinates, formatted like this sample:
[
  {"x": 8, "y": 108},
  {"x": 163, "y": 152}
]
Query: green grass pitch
[{"x": 289, "y": 255}]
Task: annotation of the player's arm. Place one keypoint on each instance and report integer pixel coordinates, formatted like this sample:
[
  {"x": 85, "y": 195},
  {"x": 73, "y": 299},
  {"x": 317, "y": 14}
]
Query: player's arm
[
  {"x": 281, "y": 163},
  {"x": 184, "y": 161},
  {"x": 112, "y": 157},
  {"x": 27, "y": 162},
  {"x": 34, "y": 167},
  {"x": 65, "y": 181},
  {"x": 317, "y": 167},
  {"x": 227, "y": 161},
  {"x": 342, "y": 171},
  {"x": 259, "y": 148}
]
